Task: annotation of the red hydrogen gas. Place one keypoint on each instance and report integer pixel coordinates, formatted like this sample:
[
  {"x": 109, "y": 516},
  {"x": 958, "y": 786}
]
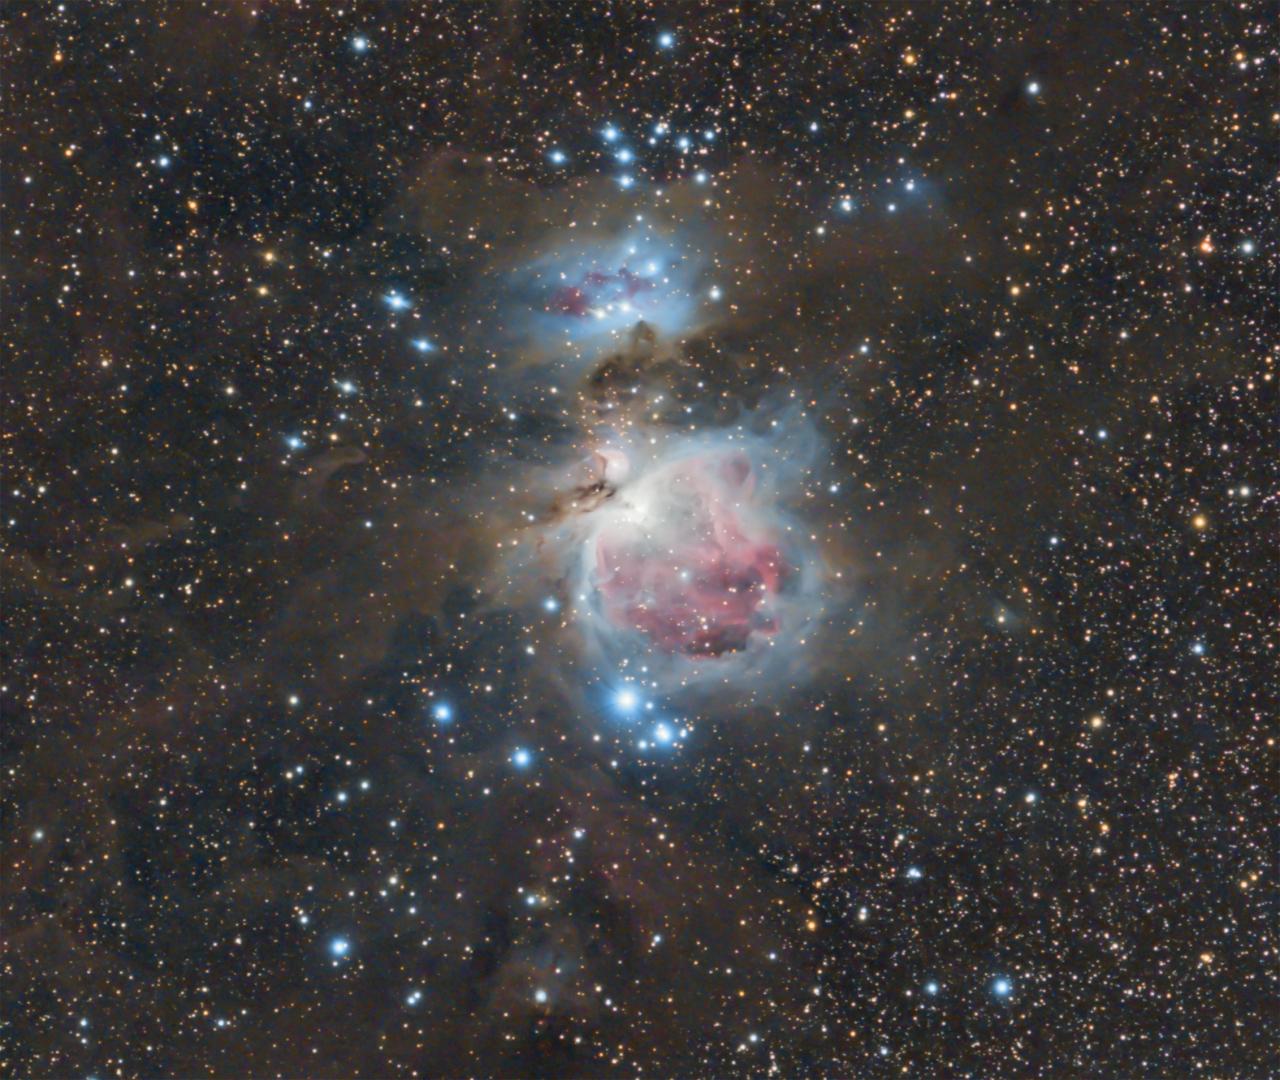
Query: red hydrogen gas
[
  {"x": 597, "y": 289},
  {"x": 687, "y": 560}
]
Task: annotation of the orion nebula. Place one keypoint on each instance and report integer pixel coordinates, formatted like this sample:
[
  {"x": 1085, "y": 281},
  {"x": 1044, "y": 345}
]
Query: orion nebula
[
  {"x": 684, "y": 559},
  {"x": 679, "y": 553}
]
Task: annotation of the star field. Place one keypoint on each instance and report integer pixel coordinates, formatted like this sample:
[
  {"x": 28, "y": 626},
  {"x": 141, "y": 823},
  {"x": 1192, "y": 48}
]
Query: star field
[{"x": 639, "y": 540}]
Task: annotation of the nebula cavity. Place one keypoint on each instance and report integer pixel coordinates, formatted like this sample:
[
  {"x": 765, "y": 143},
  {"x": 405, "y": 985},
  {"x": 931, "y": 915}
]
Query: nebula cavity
[{"x": 686, "y": 559}]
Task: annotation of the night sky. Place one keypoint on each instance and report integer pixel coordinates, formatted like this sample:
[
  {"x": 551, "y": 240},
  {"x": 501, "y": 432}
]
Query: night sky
[{"x": 551, "y": 539}]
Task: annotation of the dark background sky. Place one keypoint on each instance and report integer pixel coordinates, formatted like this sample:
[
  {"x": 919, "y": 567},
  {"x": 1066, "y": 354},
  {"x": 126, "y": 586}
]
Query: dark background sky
[{"x": 1010, "y": 813}]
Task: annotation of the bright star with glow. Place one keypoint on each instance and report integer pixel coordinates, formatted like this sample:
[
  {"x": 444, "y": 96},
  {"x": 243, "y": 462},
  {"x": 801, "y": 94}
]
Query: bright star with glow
[
  {"x": 339, "y": 947},
  {"x": 521, "y": 758},
  {"x": 666, "y": 39},
  {"x": 423, "y": 345},
  {"x": 442, "y": 712},
  {"x": 360, "y": 43},
  {"x": 1002, "y": 987},
  {"x": 397, "y": 301}
]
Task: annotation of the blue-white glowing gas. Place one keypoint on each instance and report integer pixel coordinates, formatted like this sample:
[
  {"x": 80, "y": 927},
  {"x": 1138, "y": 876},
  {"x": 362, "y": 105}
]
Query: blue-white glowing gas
[
  {"x": 584, "y": 294},
  {"x": 680, "y": 556}
]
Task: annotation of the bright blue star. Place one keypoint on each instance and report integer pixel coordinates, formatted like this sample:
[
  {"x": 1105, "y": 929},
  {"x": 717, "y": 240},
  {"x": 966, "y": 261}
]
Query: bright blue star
[
  {"x": 931, "y": 988},
  {"x": 666, "y": 39},
  {"x": 360, "y": 43},
  {"x": 423, "y": 345},
  {"x": 339, "y": 947},
  {"x": 558, "y": 157},
  {"x": 551, "y": 604},
  {"x": 625, "y": 155},
  {"x": 442, "y": 712},
  {"x": 397, "y": 302},
  {"x": 610, "y": 134},
  {"x": 1002, "y": 987},
  {"x": 626, "y": 699},
  {"x": 521, "y": 758}
]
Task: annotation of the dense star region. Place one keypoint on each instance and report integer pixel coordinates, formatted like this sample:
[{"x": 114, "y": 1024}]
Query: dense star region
[{"x": 621, "y": 540}]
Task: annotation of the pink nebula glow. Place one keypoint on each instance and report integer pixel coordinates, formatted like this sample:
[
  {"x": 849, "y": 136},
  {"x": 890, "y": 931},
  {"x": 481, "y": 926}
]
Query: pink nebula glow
[
  {"x": 597, "y": 289},
  {"x": 687, "y": 559}
]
